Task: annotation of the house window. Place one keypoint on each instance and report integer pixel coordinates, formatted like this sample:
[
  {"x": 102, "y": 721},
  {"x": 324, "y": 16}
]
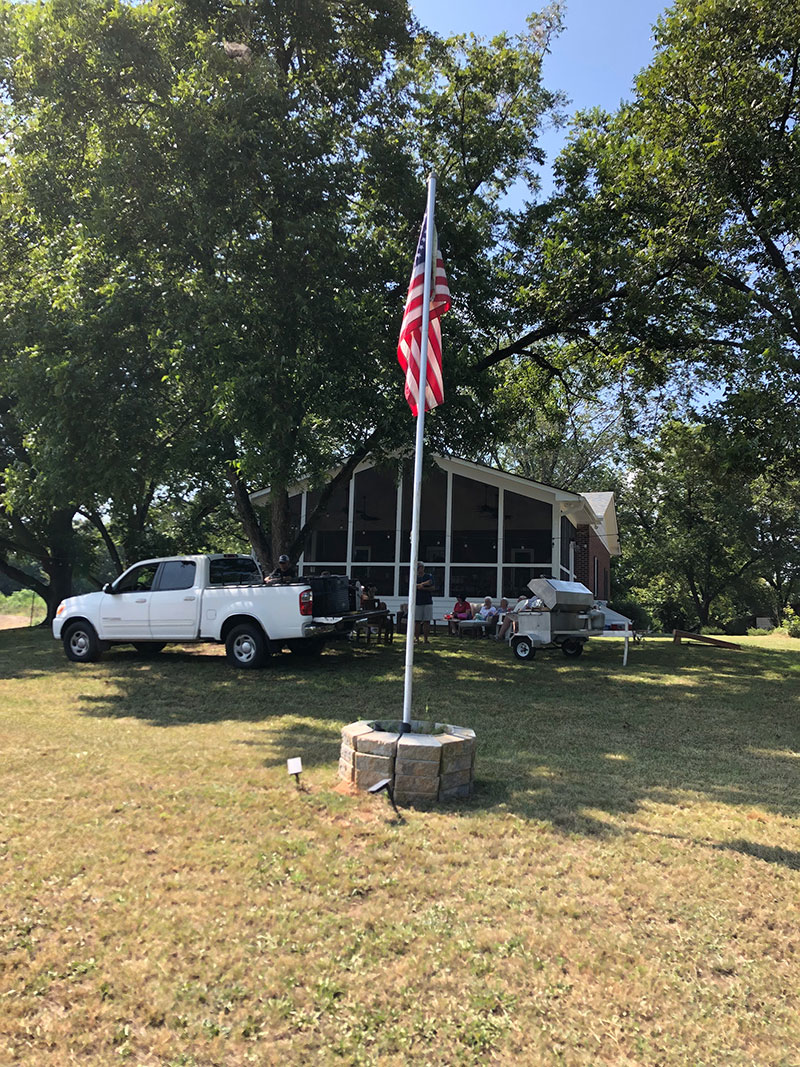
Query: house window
[{"x": 595, "y": 578}]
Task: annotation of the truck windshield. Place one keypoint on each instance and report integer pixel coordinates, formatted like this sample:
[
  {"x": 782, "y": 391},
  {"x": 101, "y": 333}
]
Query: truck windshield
[{"x": 234, "y": 570}]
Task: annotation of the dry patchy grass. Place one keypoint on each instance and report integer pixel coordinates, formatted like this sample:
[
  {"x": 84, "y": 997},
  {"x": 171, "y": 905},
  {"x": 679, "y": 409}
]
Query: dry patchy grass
[{"x": 624, "y": 888}]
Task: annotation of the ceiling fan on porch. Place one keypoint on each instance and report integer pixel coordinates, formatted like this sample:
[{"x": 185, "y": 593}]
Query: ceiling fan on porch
[
  {"x": 363, "y": 514},
  {"x": 486, "y": 508}
]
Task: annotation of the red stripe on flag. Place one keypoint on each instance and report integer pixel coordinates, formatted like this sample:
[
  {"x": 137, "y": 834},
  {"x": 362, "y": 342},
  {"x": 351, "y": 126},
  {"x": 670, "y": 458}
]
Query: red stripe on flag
[{"x": 409, "y": 348}]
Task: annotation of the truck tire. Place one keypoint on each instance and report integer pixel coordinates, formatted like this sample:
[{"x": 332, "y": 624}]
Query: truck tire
[
  {"x": 246, "y": 646},
  {"x": 81, "y": 643},
  {"x": 572, "y": 647},
  {"x": 148, "y": 648},
  {"x": 523, "y": 648}
]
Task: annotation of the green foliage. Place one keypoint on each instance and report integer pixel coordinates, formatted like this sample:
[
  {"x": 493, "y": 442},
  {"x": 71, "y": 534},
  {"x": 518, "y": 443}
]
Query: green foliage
[
  {"x": 211, "y": 212},
  {"x": 790, "y": 623},
  {"x": 22, "y": 602},
  {"x": 633, "y": 610}
]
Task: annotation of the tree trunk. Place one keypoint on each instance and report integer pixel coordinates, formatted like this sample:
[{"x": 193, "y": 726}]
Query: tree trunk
[
  {"x": 60, "y": 561},
  {"x": 281, "y": 526},
  {"x": 250, "y": 520}
]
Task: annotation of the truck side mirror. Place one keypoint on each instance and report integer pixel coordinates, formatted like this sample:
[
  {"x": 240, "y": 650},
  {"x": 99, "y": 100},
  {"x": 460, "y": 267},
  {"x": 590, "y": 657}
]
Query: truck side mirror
[{"x": 108, "y": 588}]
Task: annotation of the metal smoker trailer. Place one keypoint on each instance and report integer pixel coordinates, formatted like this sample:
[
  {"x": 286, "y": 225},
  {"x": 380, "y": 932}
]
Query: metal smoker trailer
[{"x": 567, "y": 619}]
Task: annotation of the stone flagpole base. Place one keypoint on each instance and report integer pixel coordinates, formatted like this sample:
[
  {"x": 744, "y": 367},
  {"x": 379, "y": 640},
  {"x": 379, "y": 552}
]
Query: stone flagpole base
[{"x": 434, "y": 762}]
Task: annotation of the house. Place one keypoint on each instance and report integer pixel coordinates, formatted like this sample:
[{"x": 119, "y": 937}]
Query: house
[{"x": 482, "y": 532}]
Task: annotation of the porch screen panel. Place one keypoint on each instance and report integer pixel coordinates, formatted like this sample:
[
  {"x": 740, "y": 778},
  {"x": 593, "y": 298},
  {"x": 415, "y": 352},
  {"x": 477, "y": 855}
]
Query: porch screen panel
[
  {"x": 381, "y": 577},
  {"x": 474, "y": 538},
  {"x": 527, "y": 531},
  {"x": 515, "y": 579},
  {"x": 474, "y": 583},
  {"x": 328, "y": 542},
  {"x": 433, "y": 514},
  {"x": 374, "y": 514},
  {"x": 295, "y": 503}
]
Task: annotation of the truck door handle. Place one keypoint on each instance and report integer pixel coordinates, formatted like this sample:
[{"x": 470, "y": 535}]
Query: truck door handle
[
  {"x": 188, "y": 598},
  {"x": 141, "y": 600}
]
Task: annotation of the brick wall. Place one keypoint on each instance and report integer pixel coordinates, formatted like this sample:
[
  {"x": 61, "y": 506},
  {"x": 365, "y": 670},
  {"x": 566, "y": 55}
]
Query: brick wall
[{"x": 588, "y": 548}]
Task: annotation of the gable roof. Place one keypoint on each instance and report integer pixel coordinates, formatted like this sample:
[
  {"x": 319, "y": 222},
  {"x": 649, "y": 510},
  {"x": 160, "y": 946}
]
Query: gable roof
[
  {"x": 593, "y": 509},
  {"x": 602, "y": 504}
]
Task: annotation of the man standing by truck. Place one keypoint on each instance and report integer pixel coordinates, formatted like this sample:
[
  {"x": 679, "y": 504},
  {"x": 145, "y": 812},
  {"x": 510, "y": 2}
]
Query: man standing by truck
[{"x": 284, "y": 572}]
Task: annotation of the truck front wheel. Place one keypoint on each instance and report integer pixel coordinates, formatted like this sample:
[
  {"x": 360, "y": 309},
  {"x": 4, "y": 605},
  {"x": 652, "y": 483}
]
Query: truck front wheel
[
  {"x": 246, "y": 646},
  {"x": 81, "y": 644}
]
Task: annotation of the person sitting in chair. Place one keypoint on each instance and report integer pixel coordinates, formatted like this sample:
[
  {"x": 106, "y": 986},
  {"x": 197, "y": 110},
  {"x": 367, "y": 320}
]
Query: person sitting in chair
[
  {"x": 461, "y": 612},
  {"x": 488, "y": 612}
]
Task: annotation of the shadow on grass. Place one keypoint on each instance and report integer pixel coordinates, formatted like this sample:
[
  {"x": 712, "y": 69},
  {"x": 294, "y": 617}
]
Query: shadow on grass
[
  {"x": 570, "y": 742},
  {"x": 784, "y": 857}
]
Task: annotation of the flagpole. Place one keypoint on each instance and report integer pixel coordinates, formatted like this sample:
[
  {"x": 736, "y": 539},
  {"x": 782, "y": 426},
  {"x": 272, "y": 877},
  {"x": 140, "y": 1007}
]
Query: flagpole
[{"x": 417, "y": 494}]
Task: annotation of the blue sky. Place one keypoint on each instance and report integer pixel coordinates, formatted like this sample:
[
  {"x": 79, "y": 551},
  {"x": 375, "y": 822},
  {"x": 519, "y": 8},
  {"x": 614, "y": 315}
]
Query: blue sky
[{"x": 594, "y": 61}]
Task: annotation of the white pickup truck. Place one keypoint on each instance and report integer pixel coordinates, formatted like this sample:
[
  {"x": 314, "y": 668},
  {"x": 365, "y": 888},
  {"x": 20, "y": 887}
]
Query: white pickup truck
[{"x": 194, "y": 598}]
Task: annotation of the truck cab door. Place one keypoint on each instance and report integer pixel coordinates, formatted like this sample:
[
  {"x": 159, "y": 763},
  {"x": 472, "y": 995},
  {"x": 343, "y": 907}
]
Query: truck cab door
[
  {"x": 125, "y": 613},
  {"x": 175, "y": 601}
]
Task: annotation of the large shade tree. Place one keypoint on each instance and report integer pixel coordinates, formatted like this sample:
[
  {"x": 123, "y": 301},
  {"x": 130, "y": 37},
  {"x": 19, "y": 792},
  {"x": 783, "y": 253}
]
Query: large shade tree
[
  {"x": 217, "y": 205},
  {"x": 668, "y": 253}
]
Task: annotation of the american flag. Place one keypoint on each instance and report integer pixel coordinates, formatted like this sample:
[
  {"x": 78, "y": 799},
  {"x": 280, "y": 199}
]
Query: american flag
[{"x": 408, "y": 350}]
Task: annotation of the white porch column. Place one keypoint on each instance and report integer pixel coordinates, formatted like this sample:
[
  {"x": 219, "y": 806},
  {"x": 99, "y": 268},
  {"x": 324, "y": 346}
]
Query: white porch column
[
  {"x": 350, "y": 524},
  {"x": 398, "y": 526},
  {"x": 555, "y": 551},
  {"x": 501, "y": 505},
  {"x": 448, "y": 534},
  {"x": 303, "y": 512}
]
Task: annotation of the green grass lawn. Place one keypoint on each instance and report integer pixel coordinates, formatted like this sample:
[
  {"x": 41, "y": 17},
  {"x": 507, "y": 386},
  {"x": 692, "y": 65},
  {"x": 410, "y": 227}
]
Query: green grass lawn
[{"x": 623, "y": 888}]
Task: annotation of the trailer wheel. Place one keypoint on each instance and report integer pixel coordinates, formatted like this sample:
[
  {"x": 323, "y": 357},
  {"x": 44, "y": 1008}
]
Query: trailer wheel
[
  {"x": 522, "y": 647},
  {"x": 246, "y": 647},
  {"x": 80, "y": 642},
  {"x": 572, "y": 647}
]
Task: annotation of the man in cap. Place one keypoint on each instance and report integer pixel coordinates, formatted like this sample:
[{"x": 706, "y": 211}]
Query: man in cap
[{"x": 285, "y": 570}]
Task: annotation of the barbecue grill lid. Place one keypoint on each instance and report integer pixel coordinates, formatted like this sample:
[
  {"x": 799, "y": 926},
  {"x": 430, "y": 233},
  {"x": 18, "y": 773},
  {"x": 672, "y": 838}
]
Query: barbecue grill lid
[{"x": 558, "y": 594}]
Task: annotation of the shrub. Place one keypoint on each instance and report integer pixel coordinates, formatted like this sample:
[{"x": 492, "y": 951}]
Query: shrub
[
  {"x": 19, "y": 603},
  {"x": 759, "y": 631},
  {"x": 791, "y": 623},
  {"x": 639, "y": 617}
]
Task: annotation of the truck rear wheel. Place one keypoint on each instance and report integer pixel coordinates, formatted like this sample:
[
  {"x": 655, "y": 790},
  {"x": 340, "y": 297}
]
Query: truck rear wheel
[
  {"x": 246, "y": 646},
  {"x": 81, "y": 644}
]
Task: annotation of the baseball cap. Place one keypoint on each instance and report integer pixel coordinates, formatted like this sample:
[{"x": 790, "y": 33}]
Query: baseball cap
[{"x": 283, "y": 559}]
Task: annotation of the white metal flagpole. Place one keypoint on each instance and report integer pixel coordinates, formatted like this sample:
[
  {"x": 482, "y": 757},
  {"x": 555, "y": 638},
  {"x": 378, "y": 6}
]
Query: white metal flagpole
[{"x": 417, "y": 495}]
